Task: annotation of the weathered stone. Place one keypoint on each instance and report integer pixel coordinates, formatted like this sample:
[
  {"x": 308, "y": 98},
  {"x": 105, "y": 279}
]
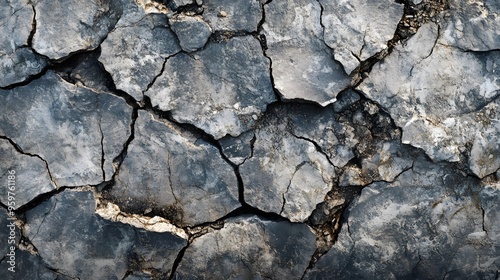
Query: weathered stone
[
  {"x": 242, "y": 15},
  {"x": 31, "y": 177},
  {"x": 76, "y": 125},
  {"x": 248, "y": 247},
  {"x": 91, "y": 74},
  {"x": 134, "y": 52},
  {"x": 176, "y": 4},
  {"x": 65, "y": 27},
  {"x": 357, "y": 31},
  {"x": 474, "y": 25},
  {"x": 220, "y": 89},
  {"x": 176, "y": 173},
  {"x": 286, "y": 173},
  {"x": 302, "y": 65},
  {"x": 8, "y": 229},
  {"x": 29, "y": 266},
  {"x": 17, "y": 61},
  {"x": 238, "y": 149},
  {"x": 102, "y": 249},
  {"x": 345, "y": 100},
  {"x": 192, "y": 32},
  {"x": 428, "y": 224},
  {"x": 442, "y": 98}
]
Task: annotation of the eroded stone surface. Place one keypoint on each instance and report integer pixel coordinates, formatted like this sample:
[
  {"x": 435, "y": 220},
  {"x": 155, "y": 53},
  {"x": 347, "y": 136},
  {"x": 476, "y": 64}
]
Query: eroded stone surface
[
  {"x": 134, "y": 52},
  {"x": 302, "y": 64},
  {"x": 230, "y": 15},
  {"x": 176, "y": 174},
  {"x": 76, "y": 125},
  {"x": 192, "y": 32},
  {"x": 31, "y": 177},
  {"x": 221, "y": 89},
  {"x": 17, "y": 60},
  {"x": 442, "y": 109},
  {"x": 65, "y": 27},
  {"x": 428, "y": 224},
  {"x": 263, "y": 249},
  {"x": 29, "y": 266},
  {"x": 356, "y": 30},
  {"x": 102, "y": 249}
]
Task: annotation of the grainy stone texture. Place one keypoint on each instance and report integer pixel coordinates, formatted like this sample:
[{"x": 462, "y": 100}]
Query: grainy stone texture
[
  {"x": 32, "y": 178},
  {"x": 231, "y": 15},
  {"x": 432, "y": 222},
  {"x": 263, "y": 249},
  {"x": 221, "y": 89},
  {"x": 176, "y": 173},
  {"x": 67, "y": 26},
  {"x": 78, "y": 132},
  {"x": 192, "y": 32},
  {"x": 302, "y": 64},
  {"x": 358, "y": 30},
  {"x": 134, "y": 52},
  {"x": 102, "y": 249},
  {"x": 17, "y": 60}
]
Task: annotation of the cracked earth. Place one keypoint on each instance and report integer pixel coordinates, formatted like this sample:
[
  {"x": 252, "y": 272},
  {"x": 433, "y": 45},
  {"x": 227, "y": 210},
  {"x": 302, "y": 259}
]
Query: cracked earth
[{"x": 214, "y": 139}]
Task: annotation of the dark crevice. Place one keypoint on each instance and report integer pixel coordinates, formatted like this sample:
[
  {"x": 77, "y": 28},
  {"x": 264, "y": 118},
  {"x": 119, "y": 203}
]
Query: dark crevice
[
  {"x": 177, "y": 261},
  {"x": 33, "y": 28}
]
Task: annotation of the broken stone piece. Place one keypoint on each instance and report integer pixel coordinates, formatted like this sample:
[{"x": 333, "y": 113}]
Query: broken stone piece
[
  {"x": 218, "y": 89},
  {"x": 264, "y": 249},
  {"x": 175, "y": 173},
  {"x": 230, "y": 15},
  {"x": 302, "y": 64},
  {"x": 192, "y": 32}
]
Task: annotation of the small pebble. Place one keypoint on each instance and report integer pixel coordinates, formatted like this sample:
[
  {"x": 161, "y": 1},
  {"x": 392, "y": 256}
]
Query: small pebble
[{"x": 222, "y": 14}]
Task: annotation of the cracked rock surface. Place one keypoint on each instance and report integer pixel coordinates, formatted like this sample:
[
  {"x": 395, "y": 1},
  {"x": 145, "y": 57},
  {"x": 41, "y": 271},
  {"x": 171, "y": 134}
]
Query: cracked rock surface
[{"x": 258, "y": 139}]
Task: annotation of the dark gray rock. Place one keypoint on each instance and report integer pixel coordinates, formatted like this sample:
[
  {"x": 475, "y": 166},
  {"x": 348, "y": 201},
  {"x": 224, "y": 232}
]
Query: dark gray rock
[
  {"x": 67, "y": 26},
  {"x": 248, "y": 247},
  {"x": 76, "y": 124},
  {"x": 238, "y": 149},
  {"x": 192, "y": 32},
  {"x": 29, "y": 266},
  {"x": 357, "y": 31},
  {"x": 303, "y": 66},
  {"x": 8, "y": 232},
  {"x": 175, "y": 173},
  {"x": 31, "y": 176},
  {"x": 100, "y": 249},
  {"x": 428, "y": 224},
  {"x": 221, "y": 89},
  {"x": 176, "y": 4},
  {"x": 345, "y": 100},
  {"x": 230, "y": 15},
  {"x": 134, "y": 52},
  {"x": 17, "y": 60}
]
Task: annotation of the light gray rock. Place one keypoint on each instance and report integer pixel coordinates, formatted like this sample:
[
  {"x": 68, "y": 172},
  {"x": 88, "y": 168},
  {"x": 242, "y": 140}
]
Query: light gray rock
[
  {"x": 231, "y": 15},
  {"x": 100, "y": 249},
  {"x": 303, "y": 66},
  {"x": 192, "y": 32},
  {"x": 248, "y": 247},
  {"x": 356, "y": 30},
  {"x": 67, "y": 126},
  {"x": 175, "y": 173},
  {"x": 134, "y": 52},
  {"x": 442, "y": 98},
  {"x": 474, "y": 25},
  {"x": 65, "y": 27},
  {"x": 17, "y": 61},
  {"x": 428, "y": 224},
  {"x": 31, "y": 176},
  {"x": 286, "y": 174},
  {"x": 221, "y": 89}
]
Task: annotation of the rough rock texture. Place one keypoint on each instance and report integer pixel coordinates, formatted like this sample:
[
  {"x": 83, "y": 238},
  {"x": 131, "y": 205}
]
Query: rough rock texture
[
  {"x": 358, "y": 30},
  {"x": 432, "y": 222},
  {"x": 302, "y": 64},
  {"x": 134, "y": 52},
  {"x": 174, "y": 172},
  {"x": 222, "y": 89},
  {"x": 263, "y": 249},
  {"x": 68, "y": 26},
  {"x": 82, "y": 131},
  {"x": 301, "y": 139},
  {"x": 442, "y": 110},
  {"x": 102, "y": 249},
  {"x": 32, "y": 179},
  {"x": 17, "y": 60}
]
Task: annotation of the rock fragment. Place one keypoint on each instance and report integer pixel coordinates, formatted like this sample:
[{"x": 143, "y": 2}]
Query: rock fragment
[
  {"x": 67, "y": 126},
  {"x": 192, "y": 32},
  {"x": 217, "y": 89},
  {"x": 177, "y": 174},
  {"x": 357, "y": 31},
  {"x": 229, "y": 15},
  {"x": 261, "y": 248},
  {"x": 303, "y": 67}
]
